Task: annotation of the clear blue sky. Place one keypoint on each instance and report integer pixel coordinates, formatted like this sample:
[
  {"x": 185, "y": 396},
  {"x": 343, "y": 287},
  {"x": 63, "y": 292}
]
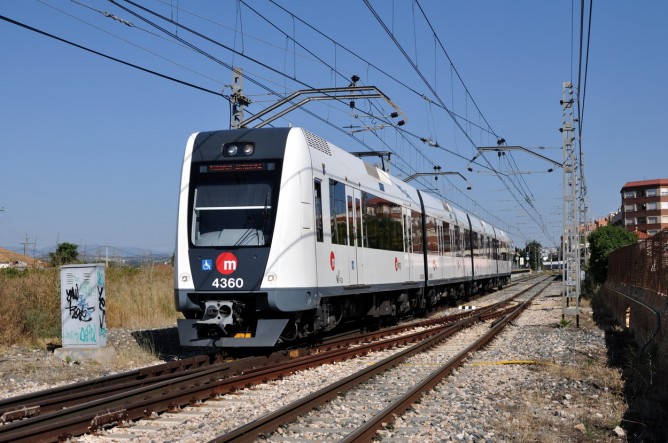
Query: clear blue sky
[{"x": 90, "y": 149}]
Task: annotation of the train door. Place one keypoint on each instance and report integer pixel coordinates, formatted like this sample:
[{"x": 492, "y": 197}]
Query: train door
[{"x": 356, "y": 253}]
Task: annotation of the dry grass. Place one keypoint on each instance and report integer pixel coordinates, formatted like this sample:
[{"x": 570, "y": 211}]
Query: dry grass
[
  {"x": 140, "y": 297},
  {"x": 547, "y": 415},
  {"x": 30, "y": 302}
]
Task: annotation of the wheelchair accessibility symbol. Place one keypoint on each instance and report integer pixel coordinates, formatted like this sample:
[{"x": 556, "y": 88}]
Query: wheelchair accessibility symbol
[{"x": 207, "y": 264}]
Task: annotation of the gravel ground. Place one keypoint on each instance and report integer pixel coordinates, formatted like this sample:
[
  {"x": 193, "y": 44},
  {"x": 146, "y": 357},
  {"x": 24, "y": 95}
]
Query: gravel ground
[
  {"x": 25, "y": 369},
  {"x": 538, "y": 382}
]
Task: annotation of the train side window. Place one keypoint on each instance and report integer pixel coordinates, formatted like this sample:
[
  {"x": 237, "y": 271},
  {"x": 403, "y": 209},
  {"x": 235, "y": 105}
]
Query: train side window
[
  {"x": 439, "y": 231},
  {"x": 382, "y": 223},
  {"x": 351, "y": 221},
  {"x": 416, "y": 218},
  {"x": 447, "y": 238},
  {"x": 337, "y": 212},
  {"x": 456, "y": 242},
  {"x": 432, "y": 238},
  {"x": 408, "y": 236},
  {"x": 467, "y": 242},
  {"x": 317, "y": 194},
  {"x": 358, "y": 221}
]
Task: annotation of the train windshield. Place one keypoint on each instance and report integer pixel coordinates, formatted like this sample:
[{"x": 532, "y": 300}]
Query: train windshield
[{"x": 233, "y": 208}]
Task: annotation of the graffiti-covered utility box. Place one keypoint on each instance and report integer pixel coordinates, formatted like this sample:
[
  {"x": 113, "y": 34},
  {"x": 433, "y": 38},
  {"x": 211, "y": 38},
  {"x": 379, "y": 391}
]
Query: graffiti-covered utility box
[{"x": 83, "y": 304}]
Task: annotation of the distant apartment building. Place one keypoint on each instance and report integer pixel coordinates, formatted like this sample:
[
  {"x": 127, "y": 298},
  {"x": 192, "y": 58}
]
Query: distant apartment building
[
  {"x": 645, "y": 206},
  {"x": 613, "y": 218}
]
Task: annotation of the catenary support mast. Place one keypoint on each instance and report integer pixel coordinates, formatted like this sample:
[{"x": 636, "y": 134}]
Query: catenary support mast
[{"x": 570, "y": 239}]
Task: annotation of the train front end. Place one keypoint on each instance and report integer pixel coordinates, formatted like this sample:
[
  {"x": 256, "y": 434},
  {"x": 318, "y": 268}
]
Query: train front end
[{"x": 227, "y": 212}]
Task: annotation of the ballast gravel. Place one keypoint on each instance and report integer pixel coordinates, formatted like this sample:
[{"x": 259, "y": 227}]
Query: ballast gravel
[{"x": 540, "y": 380}]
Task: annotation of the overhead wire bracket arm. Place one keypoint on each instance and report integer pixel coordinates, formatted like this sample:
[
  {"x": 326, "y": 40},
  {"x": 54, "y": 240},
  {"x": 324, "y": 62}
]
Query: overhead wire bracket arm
[
  {"x": 514, "y": 148},
  {"x": 306, "y": 100},
  {"x": 354, "y": 93}
]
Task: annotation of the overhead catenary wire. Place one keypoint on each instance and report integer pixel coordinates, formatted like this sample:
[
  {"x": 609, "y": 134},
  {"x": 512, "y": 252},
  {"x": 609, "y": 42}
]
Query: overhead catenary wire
[
  {"x": 132, "y": 65},
  {"x": 285, "y": 75},
  {"x": 454, "y": 68},
  {"x": 194, "y": 47},
  {"x": 217, "y": 43},
  {"x": 313, "y": 54},
  {"x": 528, "y": 195},
  {"x": 536, "y": 217},
  {"x": 251, "y": 59},
  {"x": 300, "y": 75},
  {"x": 368, "y": 63},
  {"x": 129, "y": 24}
]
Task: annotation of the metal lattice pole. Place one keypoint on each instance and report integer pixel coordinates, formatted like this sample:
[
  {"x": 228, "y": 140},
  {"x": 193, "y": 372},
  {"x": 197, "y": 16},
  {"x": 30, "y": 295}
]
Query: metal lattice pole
[{"x": 570, "y": 243}]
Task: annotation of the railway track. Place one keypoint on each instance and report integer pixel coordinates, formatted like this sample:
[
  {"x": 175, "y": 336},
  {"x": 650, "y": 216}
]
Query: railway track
[
  {"x": 95, "y": 405},
  {"x": 356, "y": 407}
]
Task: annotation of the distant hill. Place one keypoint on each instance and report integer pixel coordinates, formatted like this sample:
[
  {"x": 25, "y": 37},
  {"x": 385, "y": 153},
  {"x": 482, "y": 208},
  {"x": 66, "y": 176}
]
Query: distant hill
[{"x": 9, "y": 257}]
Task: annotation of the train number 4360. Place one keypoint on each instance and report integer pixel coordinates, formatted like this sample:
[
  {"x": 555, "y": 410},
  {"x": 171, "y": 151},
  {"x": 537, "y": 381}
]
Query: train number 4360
[{"x": 227, "y": 283}]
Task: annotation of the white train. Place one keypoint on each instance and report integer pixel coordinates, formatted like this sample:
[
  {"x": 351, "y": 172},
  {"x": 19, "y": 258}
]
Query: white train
[{"x": 282, "y": 235}]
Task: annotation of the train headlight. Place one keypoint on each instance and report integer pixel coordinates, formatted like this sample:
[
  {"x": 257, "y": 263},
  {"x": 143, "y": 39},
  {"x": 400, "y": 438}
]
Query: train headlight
[
  {"x": 238, "y": 149},
  {"x": 231, "y": 150},
  {"x": 248, "y": 148},
  {"x": 184, "y": 278}
]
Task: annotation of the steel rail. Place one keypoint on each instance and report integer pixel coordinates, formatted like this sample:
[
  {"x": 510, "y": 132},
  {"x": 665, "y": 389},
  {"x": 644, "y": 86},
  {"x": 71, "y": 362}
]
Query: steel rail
[
  {"x": 171, "y": 394},
  {"x": 63, "y": 396},
  {"x": 66, "y": 396},
  {"x": 188, "y": 388},
  {"x": 368, "y": 430},
  {"x": 270, "y": 422}
]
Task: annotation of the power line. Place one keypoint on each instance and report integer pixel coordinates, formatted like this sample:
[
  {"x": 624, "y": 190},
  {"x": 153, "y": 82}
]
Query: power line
[
  {"x": 194, "y": 47},
  {"x": 217, "y": 43},
  {"x": 368, "y": 63},
  {"x": 128, "y": 24},
  {"x": 132, "y": 65},
  {"x": 454, "y": 67},
  {"x": 466, "y": 134},
  {"x": 303, "y": 47}
]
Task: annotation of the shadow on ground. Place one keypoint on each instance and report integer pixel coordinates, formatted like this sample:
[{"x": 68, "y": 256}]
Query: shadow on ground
[
  {"x": 645, "y": 382},
  {"x": 164, "y": 343}
]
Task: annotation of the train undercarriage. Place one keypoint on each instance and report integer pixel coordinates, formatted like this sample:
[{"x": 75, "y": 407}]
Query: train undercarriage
[{"x": 247, "y": 321}]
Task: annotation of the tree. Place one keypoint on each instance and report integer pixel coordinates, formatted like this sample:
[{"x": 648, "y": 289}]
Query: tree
[
  {"x": 534, "y": 251},
  {"x": 66, "y": 253},
  {"x": 602, "y": 241}
]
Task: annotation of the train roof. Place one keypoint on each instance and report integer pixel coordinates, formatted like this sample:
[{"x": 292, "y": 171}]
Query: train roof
[{"x": 345, "y": 167}]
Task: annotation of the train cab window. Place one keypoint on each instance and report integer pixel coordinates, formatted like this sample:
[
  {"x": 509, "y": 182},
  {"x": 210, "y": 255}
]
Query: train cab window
[
  {"x": 317, "y": 195},
  {"x": 233, "y": 209}
]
